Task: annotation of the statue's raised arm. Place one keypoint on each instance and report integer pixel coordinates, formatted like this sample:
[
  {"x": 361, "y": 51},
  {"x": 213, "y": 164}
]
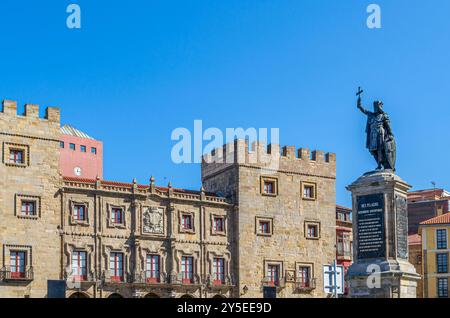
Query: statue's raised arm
[{"x": 358, "y": 104}]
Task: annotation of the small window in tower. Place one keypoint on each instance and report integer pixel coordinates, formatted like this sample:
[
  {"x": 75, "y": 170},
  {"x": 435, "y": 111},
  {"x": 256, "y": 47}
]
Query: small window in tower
[
  {"x": 269, "y": 186},
  {"x": 309, "y": 191},
  {"x": 72, "y": 146},
  {"x": 94, "y": 150},
  {"x": 16, "y": 156},
  {"x": 61, "y": 144},
  {"x": 83, "y": 148},
  {"x": 312, "y": 230},
  {"x": 264, "y": 226}
]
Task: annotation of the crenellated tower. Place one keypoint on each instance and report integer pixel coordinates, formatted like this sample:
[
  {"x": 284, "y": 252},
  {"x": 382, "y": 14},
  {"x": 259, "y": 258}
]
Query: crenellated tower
[
  {"x": 285, "y": 199},
  {"x": 29, "y": 206}
]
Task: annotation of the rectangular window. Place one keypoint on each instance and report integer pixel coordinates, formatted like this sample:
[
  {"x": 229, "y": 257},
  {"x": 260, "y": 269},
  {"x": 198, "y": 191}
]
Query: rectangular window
[
  {"x": 308, "y": 192},
  {"x": 304, "y": 276},
  {"x": 218, "y": 271},
  {"x": 61, "y": 144},
  {"x": 441, "y": 239},
  {"x": 442, "y": 263},
  {"x": 17, "y": 264},
  {"x": 94, "y": 150},
  {"x": 152, "y": 269},
  {"x": 72, "y": 146},
  {"x": 116, "y": 266},
  {"x": 264, "y": 227},
  {"x": 186, "y": 222},
  {"x": 443, "y": 287},
  {"x": 219, "y": 224},
  {"x": 117, "y": 216},
  {"x": 79, "y": 212},
  {"x": 269, "y": 187},
  {"x": 187, "y": 269},
  {"x": 16, "y": 156},
  {"x": 79, "y": 265},
  {"x": 83, "y": 148},
  {"x": 273, "y": 274},
  {"x": 312, "y": 231},
  {"x": 28, "y": 208}
]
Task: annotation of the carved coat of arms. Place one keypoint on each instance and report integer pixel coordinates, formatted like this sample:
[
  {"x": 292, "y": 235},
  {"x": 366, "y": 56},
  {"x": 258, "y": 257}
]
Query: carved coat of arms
[{"x": 153, "y": 220}]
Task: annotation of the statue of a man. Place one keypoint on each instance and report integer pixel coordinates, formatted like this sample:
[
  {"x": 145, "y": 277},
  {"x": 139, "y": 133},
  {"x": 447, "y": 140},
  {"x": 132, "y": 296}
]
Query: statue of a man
[{"x": 380, "y": 139}]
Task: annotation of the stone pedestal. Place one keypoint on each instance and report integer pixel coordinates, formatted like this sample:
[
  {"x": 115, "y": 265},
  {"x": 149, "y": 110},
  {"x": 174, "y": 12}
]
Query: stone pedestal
[{"x": 380, "y": 238}]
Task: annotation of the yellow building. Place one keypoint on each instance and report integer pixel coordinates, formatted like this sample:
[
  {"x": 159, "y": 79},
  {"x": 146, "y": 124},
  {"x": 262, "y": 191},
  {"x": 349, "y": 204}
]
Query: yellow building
[{"x": 435, "y": 264}]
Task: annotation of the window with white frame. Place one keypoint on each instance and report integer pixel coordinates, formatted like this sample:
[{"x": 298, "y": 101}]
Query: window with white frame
[
  {"x": 218, "y": 271},
  {"x": 442, "y": 286},
  {"x": 79, "y": 212},
  {"x": 116, "y": 266},
  {"x": 312, "y": 230},
  {"x": 441, "y": 239},
  {"x": 187, "y": 269},
  {"x": 218, "y": 224},
  {"x": 304, "y": 276},
  {"x": 16, "y": 156},
  {"x": 79, "y": 265},
  {"x": 187, "y": 222},
  {"x": 18, "y": 264},
  {"x": 117, "y": 216},
  {"x": 273, "y": 274},
  {"x": 152, "y": 265},
  {"x": 28, "y": 208}
]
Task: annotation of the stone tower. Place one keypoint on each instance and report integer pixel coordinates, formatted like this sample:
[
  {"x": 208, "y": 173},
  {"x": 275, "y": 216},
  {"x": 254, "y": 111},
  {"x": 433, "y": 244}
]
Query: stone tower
[
  {"x": 29, "y": 206},
  {"x": 285, "y": 205}
]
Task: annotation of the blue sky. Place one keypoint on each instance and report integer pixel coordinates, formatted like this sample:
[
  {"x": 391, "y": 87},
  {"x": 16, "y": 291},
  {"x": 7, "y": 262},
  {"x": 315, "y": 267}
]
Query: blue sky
[{"x": 136, "y": 70}]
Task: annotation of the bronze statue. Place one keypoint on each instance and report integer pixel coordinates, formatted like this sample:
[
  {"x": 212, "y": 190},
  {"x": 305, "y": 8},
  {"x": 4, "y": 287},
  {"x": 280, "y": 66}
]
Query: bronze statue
[{"x": 380, "y": 139}]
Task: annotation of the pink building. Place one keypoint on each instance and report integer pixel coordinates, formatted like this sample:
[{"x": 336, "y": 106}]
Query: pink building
[{"x": 81, "y": 155}]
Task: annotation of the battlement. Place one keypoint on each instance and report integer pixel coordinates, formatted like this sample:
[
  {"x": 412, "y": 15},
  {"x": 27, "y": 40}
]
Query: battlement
[
  {"x": 270, "y": 158},
  {"x": 260, "y": 153},
  {"x": 52, "y": 114}
]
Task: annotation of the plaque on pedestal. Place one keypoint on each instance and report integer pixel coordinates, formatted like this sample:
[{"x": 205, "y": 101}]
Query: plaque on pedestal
[{"x": 380, "y": 245}]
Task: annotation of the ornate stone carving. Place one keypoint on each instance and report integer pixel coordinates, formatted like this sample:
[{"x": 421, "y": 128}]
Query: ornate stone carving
[{"x": 153, "y": 220}]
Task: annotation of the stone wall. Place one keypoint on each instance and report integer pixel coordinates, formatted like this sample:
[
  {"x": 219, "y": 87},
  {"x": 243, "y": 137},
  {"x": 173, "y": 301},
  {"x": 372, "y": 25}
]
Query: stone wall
[
  {"x": 289, "y": 212},
  {"x": 37, "y": 180}
]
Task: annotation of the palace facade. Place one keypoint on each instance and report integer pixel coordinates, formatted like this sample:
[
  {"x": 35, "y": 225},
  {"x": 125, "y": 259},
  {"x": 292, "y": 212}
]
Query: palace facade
[{"x": 263, "y": 220}]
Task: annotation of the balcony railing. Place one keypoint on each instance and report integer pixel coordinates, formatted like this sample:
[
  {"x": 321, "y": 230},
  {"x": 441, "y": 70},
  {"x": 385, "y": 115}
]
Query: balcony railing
[
  {"x": 82, "y": 279},
  {"x": 182, "y": 280},
  {"x": 305, "y": 286},
  {"x": 125, "y": 278},
  {"x": 268, "y": 281},
  {"x": 213, "y": 283},
  {"x": 148, "y": 277},
  {"x": 7, "y": 275}
]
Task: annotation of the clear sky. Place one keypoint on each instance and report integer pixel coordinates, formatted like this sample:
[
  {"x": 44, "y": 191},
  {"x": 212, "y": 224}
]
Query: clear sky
[{"x": 137, "y": 70}]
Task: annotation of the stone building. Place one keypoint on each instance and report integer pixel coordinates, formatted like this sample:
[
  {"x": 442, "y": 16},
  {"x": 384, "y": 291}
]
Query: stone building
[
  {"x": 266, "y": 219},
  {"x": 285, "y": 214},
  {"x": 29, "y": 205}
]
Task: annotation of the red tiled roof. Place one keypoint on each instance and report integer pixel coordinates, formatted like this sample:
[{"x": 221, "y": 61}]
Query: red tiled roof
[
  {"x": 140, "y": 186},
  {"x": 414, "y": 239},
  {"x": 441, "y": 219},
  {"x": 342, "y": 207}
]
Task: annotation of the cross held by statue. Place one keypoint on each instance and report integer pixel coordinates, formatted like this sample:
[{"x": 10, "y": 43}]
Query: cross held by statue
[{"x": 360, "y": 91}]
